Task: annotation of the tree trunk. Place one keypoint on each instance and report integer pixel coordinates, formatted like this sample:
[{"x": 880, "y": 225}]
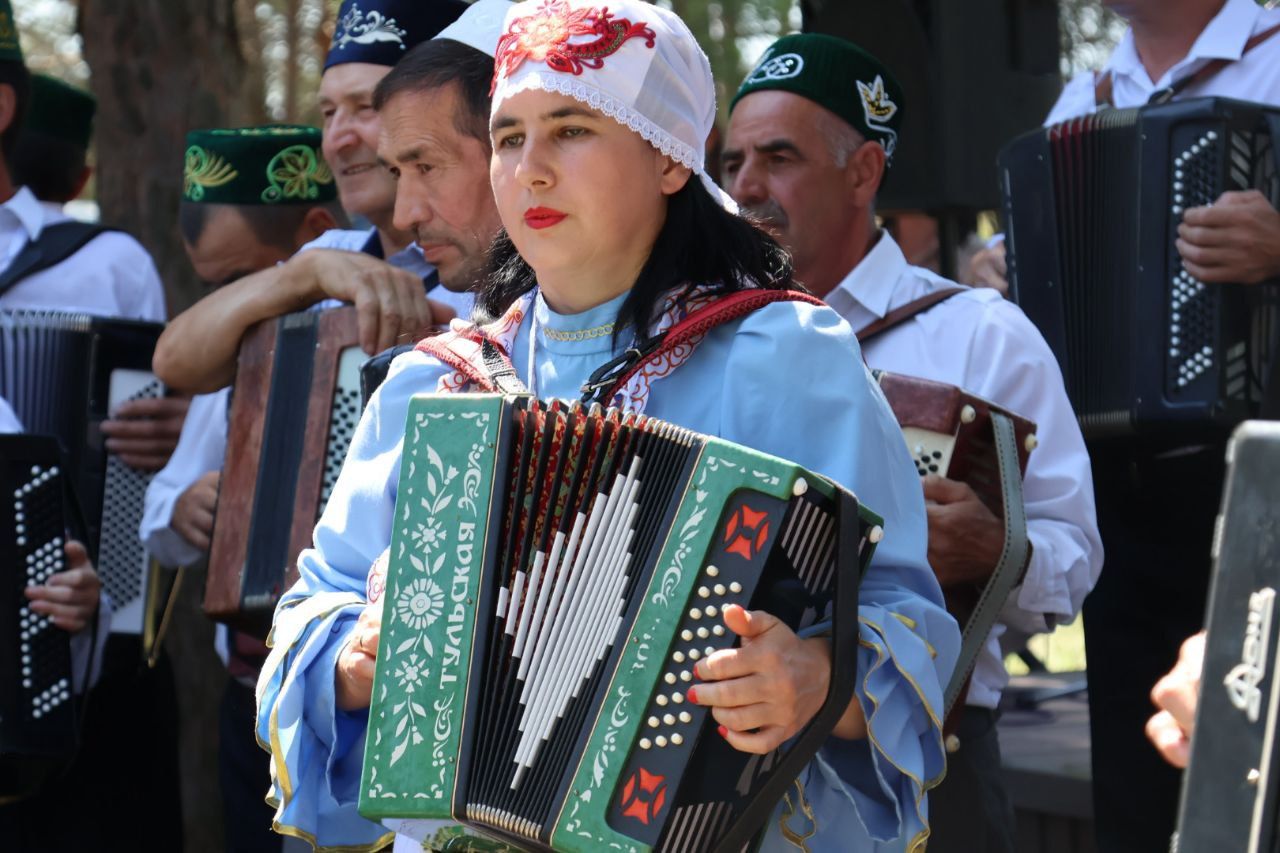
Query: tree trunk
[
  {"x": 158, "y": 69},
  {"x": 293, "y": 38}
]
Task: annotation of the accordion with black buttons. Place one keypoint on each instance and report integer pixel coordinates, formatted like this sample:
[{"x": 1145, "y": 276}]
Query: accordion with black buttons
[
  {"x": 294, "y": 408},
  {"x": 1091, "y": 209},
  {"x": 1230, "y": 789},
  {"x": 38, "y": 723},
  {"x": 555, "y": 573},
  {"x": 64, "y": 374}
]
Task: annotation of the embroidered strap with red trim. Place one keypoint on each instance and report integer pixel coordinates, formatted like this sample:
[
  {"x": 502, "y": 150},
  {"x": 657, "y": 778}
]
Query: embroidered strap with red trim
[
  {"x": 1104, "y": 82},
  {"x": 686, "y": 333},
  {"x": 474, "y": 355}
]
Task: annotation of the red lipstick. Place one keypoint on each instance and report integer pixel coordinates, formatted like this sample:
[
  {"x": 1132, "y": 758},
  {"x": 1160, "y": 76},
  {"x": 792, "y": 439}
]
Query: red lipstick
[{"x": 542, "y": 217}]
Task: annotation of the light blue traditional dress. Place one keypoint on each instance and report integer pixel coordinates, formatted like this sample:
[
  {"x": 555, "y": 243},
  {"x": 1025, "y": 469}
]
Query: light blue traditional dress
[{"x": 758, "y": 381}]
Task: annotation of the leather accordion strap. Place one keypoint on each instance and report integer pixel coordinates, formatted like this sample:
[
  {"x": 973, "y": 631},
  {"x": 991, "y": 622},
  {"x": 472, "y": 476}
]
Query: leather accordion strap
[
  {"x": 903, "y": 313},
  {"x": 1104, "y": 82},
  {"x": 1009, "y": 570}
]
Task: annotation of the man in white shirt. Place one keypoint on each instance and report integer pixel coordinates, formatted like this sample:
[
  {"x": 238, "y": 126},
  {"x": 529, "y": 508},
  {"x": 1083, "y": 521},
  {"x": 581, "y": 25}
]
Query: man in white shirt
[
  {"x": 231, "y": 227},
  {"x": 806, "y": 152},
  {"x": 380, "y": 269},
  {"x": 1173, "y": 43}
]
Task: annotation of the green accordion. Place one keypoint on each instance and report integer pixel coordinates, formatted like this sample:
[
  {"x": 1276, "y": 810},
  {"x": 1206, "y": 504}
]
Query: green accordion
[{"x": 555, "y": 572}]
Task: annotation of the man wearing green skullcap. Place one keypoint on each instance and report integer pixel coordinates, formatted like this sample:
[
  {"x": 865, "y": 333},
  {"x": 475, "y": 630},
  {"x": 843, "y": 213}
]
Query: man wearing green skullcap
[
  {"x": 50, "y": 158},
  {"x": 251, "y": 198},
  {"x": 813, "y": 129}
]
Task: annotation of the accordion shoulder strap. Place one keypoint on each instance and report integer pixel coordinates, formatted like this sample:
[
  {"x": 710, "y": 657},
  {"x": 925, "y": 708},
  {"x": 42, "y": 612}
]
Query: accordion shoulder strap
[
  {"x": 474, "y": 355},
  {"x": 1010, "y": 568},
  {"x": 614, "y": 375},
  {"x": 1103, "y": 81},
  {"x": 903, "y": 313},
  {"x": 55, "y": 244}
]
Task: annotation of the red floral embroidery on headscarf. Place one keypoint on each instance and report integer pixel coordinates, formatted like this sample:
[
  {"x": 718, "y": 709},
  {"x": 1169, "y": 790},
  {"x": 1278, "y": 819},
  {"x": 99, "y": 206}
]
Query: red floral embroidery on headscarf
[{"x": 544, "y": 37}]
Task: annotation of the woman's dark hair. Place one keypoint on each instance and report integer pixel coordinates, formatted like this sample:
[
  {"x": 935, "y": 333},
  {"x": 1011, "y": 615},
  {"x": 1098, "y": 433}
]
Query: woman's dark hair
[{"x": 700, "y": 243}]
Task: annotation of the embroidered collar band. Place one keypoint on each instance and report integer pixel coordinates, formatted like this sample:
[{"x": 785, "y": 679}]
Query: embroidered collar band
[
  {"x": 269, "y": 165},
  {"x": 634, "y": 62},
  {"x": 835, "y": 74},
  {"x": 379, "y": 32}
]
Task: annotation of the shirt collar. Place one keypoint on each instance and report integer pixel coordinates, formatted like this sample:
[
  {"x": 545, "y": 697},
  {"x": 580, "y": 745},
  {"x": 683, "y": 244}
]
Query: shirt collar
[
  {"x": 590, "y": 331},
  {"x": 26, "y": 209},
  {"x": 871, "y": 283},
  {"x": 1224, "y": 37}
]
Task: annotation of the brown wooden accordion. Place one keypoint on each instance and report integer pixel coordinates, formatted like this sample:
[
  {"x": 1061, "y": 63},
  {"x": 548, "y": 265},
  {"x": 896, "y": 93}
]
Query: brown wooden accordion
[
  {"x": 951, "y": 433},
  {"x": 294, "y": 408}
]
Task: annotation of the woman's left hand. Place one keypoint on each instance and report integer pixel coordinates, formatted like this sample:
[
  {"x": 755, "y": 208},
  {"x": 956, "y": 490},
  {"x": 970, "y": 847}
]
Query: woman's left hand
[{"x": 766, "y": 690}]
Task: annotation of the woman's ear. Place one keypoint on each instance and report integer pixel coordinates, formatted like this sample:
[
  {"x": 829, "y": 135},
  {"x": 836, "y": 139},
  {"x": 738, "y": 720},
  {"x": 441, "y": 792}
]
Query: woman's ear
[{"x": 674, "y": 176}]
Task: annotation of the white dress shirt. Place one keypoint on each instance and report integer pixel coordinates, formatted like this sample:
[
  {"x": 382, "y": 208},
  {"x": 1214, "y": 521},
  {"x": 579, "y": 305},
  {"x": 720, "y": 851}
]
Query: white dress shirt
[
  {"x": 8, "y": 418},
  {"x": 200, "y": 449},
  {"x": 111, "y": 275},
  {"x": 1255, "y": 77},
  {"x": 984, "y": 344},
  {"x": 409, "y": 258}
]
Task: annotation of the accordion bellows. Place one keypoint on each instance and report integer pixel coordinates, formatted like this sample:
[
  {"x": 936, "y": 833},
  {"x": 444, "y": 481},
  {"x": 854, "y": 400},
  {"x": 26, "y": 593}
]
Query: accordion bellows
[{"x": 555, "y": 573}]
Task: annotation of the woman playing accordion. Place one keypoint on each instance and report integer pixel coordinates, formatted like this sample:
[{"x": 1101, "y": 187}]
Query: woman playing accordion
[{"x": 613, "y": 234}]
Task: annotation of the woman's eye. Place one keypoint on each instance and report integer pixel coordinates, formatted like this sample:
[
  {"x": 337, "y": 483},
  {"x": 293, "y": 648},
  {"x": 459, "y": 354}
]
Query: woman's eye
[
  {"x": 573, "y": 131},
  {"x": 513, "y": 140}
]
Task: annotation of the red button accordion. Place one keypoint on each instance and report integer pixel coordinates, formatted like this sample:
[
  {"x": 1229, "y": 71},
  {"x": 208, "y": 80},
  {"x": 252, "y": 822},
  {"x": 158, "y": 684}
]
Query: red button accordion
[{"x": 294, "y": 408}]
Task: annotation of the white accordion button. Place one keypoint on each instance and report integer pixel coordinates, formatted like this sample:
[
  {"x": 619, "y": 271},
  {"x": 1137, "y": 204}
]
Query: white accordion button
[
  {"x": 875, "y": 534},
  {"x": 677, "y": 739},
  {"x": 695, "y": 614},
  {"x": 686, "y": 635},
  {"x": 710, "y": 610},
  {"x": 670, "y": 678},
  {"x": 645, "y": 743},
  {"x": 686, "y": 717},
  {"x": 662, "y": 699},
  {"x": 968, "y": 414},
  {"x": 678, "y": 657},
  {"x": 653, "y": 722},
  {"x": 678, "y": 698},
  {"x": 800, "y": 487},
  {"x": 703, "y": 592},
  {"x": 712, "y": 571},
  {"x": 694, "y": 654},
  {"x": 686, "y": 676},
  {"x": 735, "y": 587},
  {"x": 718, "y": 631},
  {"x": 719, "y": 588},
  {"x": 660, "y": 740},
  {"x": 703, "y": 633},
  {"x": 669, "y": 719}
]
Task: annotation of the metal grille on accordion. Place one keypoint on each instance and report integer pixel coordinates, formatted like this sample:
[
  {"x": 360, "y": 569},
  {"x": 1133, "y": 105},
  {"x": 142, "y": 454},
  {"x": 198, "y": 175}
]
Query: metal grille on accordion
[
  {"x": 1230, "y": 789},
  {"x": 37, "y": 717},
  {"x": 64, "y": 374},
  {"x": 555, "y": 573},
  {"x": 294, "y": 408},
  {"x": 1092, "y": 208}
]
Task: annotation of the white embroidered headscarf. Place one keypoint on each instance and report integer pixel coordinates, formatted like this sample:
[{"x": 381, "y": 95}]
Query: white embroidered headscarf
[{"x": 634, "y": 62}]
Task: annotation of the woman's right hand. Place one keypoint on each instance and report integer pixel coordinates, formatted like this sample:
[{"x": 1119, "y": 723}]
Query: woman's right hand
[{"x": 353, "y": 679}]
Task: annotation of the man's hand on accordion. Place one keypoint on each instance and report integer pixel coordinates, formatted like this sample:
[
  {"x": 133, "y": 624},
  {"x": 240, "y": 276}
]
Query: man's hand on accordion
[
  {"x": 1176, "y": 695},
  {"x": 144, "y": 433},
  {"x": 768, "y": 688},
  {"x": 353, "y": 677},
  {"x": 390, "y": 303},
  {"x": 965, "y": 537},
  {"x": 1234, "y": 240},
  {"x": 70, "y": 597}
]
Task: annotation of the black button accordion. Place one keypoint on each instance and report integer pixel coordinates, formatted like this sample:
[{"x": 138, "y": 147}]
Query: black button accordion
[
  {"x": 1092, "y": 208},
  {"x": 555, "y": 574},
  {"x": 38, "y": 721},
  {"x": 1230, "y": 789},
  {"x": 64, "y": 374}
]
